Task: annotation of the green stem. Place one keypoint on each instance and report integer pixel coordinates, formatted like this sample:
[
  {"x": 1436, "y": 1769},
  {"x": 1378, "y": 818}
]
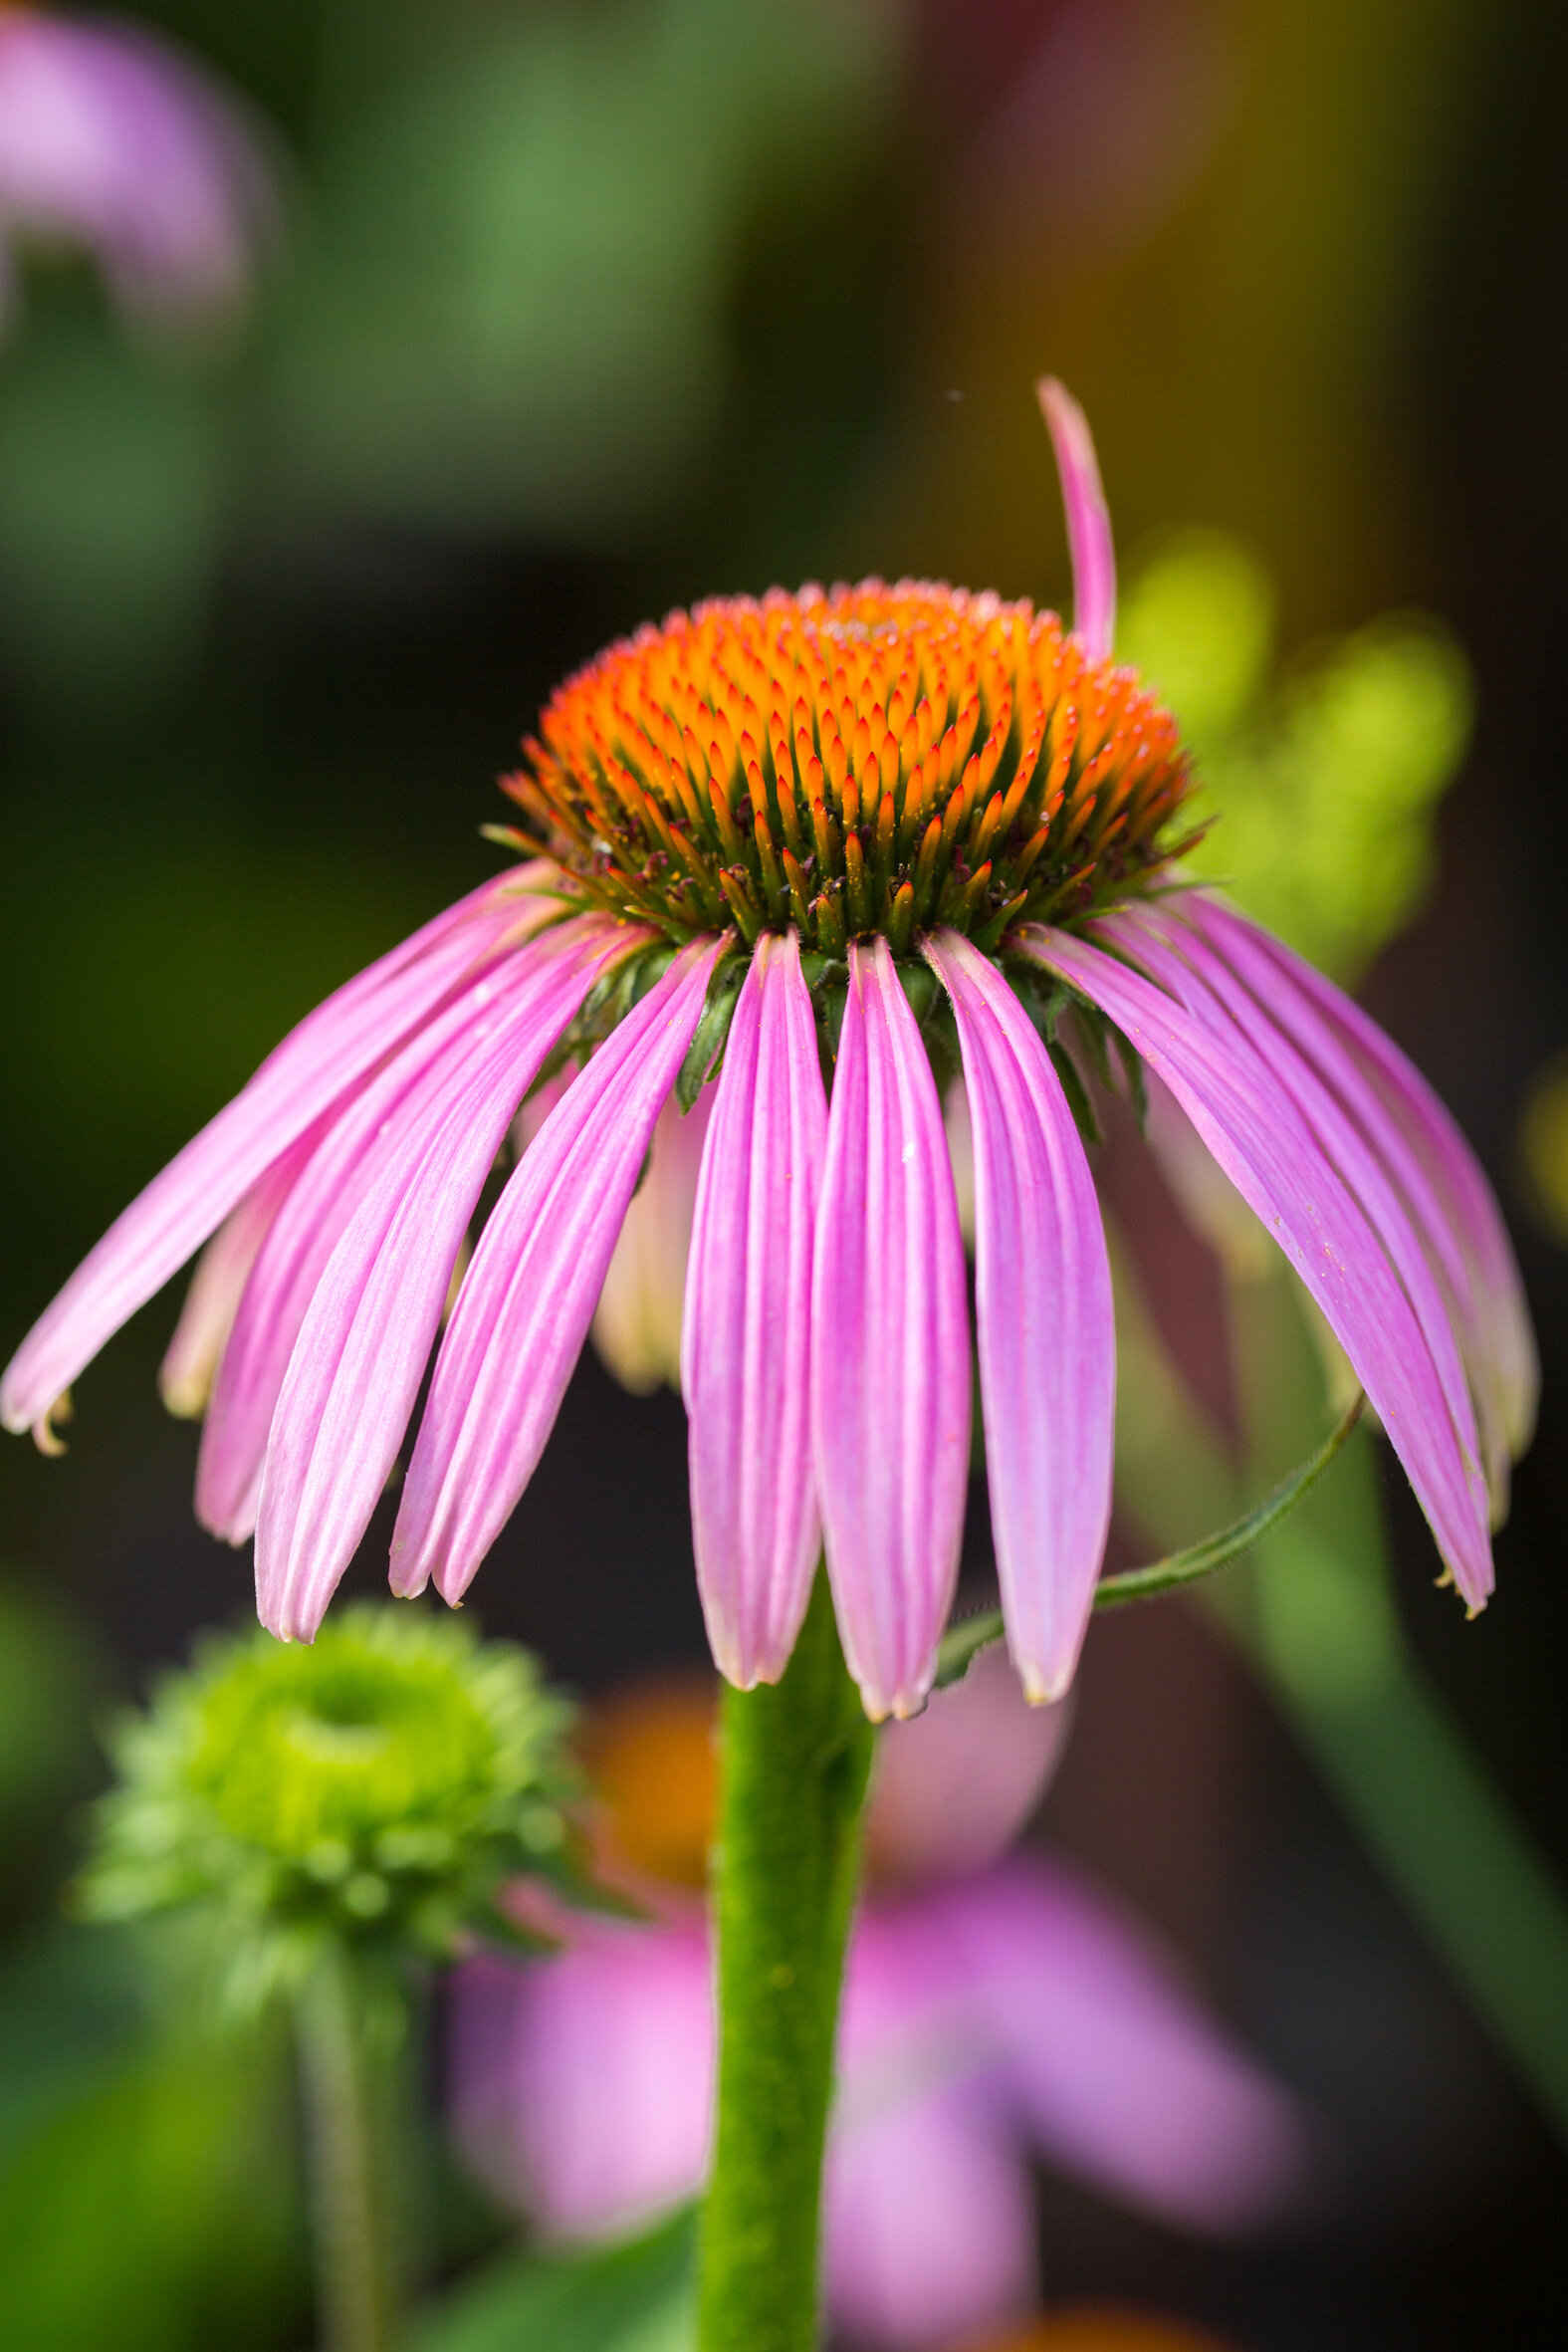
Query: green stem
[
  {"x": 796, "y": 1757},
  {"x": 341, "y": 2029}
]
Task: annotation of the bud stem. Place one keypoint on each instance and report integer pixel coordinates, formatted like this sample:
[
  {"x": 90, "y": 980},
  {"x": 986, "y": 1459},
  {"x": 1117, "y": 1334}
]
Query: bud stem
[
  {"x": 795, "y": 1760},
  {"x": 346, "y": 2073}
]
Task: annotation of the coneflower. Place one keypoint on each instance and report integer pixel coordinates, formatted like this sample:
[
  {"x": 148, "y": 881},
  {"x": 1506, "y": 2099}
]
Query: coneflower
[{"x": 820, "y": 852}]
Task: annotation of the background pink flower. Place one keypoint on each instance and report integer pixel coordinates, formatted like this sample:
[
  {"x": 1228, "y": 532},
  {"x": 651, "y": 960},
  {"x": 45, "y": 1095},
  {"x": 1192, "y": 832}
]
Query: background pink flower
[
  {"x": 997, "y": 2009},
  {"x": 113, "y": 140}
]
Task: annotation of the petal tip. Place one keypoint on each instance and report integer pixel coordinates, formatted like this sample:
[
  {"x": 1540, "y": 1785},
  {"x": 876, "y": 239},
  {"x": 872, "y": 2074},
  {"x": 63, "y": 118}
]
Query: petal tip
[
  {"x": 46, "y": 1437},
  {"x": 1042, "y": 1689}
]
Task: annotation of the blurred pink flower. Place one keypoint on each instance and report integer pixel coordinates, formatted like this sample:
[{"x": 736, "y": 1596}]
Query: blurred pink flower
[
  {"x": 111, "y": 140},
  {"x": 995, "y": 2007}
]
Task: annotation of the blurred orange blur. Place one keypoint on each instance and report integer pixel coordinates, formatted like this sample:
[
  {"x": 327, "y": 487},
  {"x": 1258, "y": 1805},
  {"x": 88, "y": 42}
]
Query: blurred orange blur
[
  {"x": 1098, "y": 2327},
  {"x": 649, "y": 1753}
]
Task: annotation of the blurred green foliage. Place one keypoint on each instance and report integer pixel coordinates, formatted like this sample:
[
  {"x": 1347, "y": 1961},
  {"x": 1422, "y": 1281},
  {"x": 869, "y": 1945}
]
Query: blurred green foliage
[
  {"x": 511, "y": 307},
  {"x": 637, "y": 2296},
  {"x": 157, "y": 2211},
  {"x": 1321, "y": 783},
  {"x": 149, "y": 2198},
  {"x": 114, "y": 496}
]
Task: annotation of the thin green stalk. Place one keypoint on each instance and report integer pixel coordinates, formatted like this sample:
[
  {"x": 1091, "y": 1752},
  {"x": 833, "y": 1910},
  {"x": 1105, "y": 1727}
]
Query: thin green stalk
[
  {"x": 963, "y": 1642},
  {"x": 795, "y": 1759},
  {"x": 346, "y": 2067}
]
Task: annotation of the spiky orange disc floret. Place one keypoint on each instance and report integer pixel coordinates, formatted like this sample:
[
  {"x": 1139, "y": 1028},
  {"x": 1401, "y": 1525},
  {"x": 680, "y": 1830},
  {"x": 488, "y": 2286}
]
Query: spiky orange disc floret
[{"x": 873, "y": 759}]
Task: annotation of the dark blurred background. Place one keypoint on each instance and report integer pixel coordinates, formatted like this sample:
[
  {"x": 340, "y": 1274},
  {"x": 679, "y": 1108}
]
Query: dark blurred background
[{"x": 578, "y": 311}]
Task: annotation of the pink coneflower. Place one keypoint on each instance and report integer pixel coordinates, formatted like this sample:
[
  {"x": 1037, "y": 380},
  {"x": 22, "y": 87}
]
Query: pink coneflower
[
  {"x": 882, "y": 834},
  {"x": 997, "y": 2007},
  {"x": 113, "y": 142}
]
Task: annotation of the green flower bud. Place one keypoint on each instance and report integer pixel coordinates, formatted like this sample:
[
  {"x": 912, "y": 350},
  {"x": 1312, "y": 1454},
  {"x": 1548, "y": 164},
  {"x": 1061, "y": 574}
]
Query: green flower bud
[{"x": 374, "y": 1789}]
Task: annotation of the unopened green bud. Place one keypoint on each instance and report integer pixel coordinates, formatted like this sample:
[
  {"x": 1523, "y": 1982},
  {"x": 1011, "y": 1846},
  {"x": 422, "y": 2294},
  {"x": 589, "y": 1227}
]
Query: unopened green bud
[{"x": 375, "y": 1788}]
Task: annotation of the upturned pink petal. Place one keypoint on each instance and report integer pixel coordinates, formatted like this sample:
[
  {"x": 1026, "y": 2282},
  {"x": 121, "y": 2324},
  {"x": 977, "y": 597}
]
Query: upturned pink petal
[
  {"x": 316, "y": 1063},
  {"x": 194, "y": 1353},
  {"x": 1449, "y": 1195},
  {"x": 1262, "y": 1141},
  {"x": 528, "y": 1297},
  {"x": 361, "y": 1353},
  {"x": 747, "y": 1332},
  {"x": 1112, "y": 2067},
  {"x": 1181, "y": 960},
  {"x": 378, "y": 1132},
  {"x": 1043, "y": 1325},
  {"x": 1089, "y": 518},
  {"x": 890, "y": 1369}
]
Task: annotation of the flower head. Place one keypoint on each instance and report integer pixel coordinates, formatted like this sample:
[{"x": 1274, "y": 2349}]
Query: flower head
[
  {"x": 377, "y": 1789},
  {"x": 995, "y": 2005},
  {"x": 863, "y": 763},
  {"x": 112, "y": 141},
  {"x": 865, "y": 839}
]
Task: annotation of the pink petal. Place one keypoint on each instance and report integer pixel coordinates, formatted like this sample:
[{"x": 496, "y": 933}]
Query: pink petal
[
  {"x": 581, "y": 2085},
  {"x": 379, "y": 1133},
  {"x": 1259, "y": 1138},
  {"x": 365, "y": 1340},
  {"x": 1237, "y": 954},
  {"x": 206, "y": 1320},
  {"x": 1448, "y": 1194},
  {"x": 1047, "y": 1342},
  {"x": 955, "y": 1785},
  {"x": 890, "y": 1368},
  {"x": 930, "y": 2222},
  {"x": 1205, "y": 982},
  {"x": 330, "y": 1050},
  {"x": 637, "y": 1323},
  {"x": 1088, "y": 519},
  {"x": 745, "y": 1348},
  {"x": 1112, "y": 2066},
  {"x": 528, "y": 1297}
]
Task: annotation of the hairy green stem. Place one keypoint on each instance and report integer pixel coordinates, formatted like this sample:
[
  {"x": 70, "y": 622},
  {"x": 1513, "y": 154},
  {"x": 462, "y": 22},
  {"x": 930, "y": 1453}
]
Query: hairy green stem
[
  {"x": 347, "y": 2068},
  {"x": 796, "y": 1757}
]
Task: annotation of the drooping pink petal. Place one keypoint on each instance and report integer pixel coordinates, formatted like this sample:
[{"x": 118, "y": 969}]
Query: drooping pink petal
[
  {"x": 583, "y": 2084},
  {"x": 1089, "y": 518},
  {"x": 1236, "y": 956},
  {"x": 890, "y": 1371},
  {"x": 1111, "y": 2066},
  {"x": 1183, "y": 961},
  {"x": 1044, "y": 1332},
  {"x": 1453, "y": 1203},
  {"x": 206, "y": 1320},
  {"x": 366, "y": 1338},
  {"x": 637, "y": 1323},
  {"x": 325, "y": 1055},
  {"x": 1262, "y": 1141},
  {"x": 528, "y": 1297},
  {"x": 955, "y": 1785},
  {"x": 382, "y": 1129},
  {"x": 930, "y": 2228},
  {"x": 746, "y": 1343}
]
